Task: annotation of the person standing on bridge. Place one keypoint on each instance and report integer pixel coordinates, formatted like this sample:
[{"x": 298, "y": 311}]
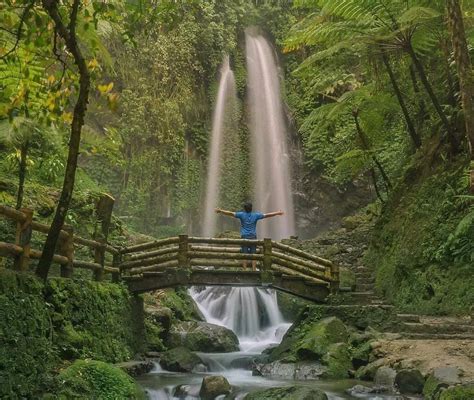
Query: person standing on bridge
[{"x": 248, "y": 227}]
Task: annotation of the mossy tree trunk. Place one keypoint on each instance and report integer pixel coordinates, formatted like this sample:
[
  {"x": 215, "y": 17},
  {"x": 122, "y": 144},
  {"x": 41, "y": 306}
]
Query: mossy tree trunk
[{"x": 68, "y": 34}]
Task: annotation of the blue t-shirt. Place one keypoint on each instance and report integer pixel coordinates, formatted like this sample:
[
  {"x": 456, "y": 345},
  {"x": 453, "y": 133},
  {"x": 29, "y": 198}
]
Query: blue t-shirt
[{"x": 248, "y": 223}]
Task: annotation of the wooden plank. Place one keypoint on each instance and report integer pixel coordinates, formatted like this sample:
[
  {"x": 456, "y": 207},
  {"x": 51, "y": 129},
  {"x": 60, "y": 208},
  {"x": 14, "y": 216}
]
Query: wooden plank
[
  {"x": 12, "y": 213},
  {"x": 159, "y": 267},
  {"x": 149, "y": 245},
  {"x": 300, "y": 261},
  {"x": 224, "y": 256},
  {"x": 111, "y": 270},
  {"x": 148, "y": 261},
  {"x": 200, "y": 262},
  {"x": 67, "y": 250},
  {"x": 39, "y": 227},
  {"x": 150, "y": 254},
  {"x": 10, "y": 249},
  {"x": 58, "y": 259},
  {"x": 225, "y": 241},
  {"x": 302, "y": 253},
  {"x": 299, "y": 269},
  {"x": 216, "y": 249},
  {"x": 297, "y": 275},
  {"x": 86, "y": 265}
]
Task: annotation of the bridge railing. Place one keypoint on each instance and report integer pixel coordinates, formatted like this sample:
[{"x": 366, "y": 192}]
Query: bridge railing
[
  {"x": 222, "y": 253},
  {"x": 22, "y": 252}
]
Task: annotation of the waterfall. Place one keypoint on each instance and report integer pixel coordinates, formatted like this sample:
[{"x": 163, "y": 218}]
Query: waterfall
[
  {"x": 269, "y": 148},
  {"x": 225, "y": 106},
  {"x": 252, "y": 313}
]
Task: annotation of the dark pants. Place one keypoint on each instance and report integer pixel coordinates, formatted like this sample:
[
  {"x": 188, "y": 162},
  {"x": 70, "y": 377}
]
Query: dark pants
[{"x": 248, "y": 248}]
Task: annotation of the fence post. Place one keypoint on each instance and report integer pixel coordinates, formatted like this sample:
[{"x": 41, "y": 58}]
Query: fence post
[
  {"x": 334, "y": 277},
  {"x": 104, "y": 207},
  {"x": 116, "y": 263},
  {"x": 266, "y": 274},
  {"x": 67, "y": 250},
  {"x": 183, "y": 256},
  {"x": 99, "y": 258},
  {"x": 23, "y": 239}
]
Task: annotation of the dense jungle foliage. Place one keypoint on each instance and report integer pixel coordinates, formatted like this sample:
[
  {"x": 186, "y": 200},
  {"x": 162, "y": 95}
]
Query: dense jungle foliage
[{"x": 376, "y": 91}]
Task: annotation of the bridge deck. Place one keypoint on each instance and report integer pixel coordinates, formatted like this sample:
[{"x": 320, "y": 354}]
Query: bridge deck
[{"x": 297, "y": 286}]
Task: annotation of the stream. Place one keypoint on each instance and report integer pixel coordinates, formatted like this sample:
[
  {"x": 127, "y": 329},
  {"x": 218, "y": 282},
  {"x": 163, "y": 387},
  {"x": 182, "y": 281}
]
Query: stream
[{"x": 254, "y": 316}]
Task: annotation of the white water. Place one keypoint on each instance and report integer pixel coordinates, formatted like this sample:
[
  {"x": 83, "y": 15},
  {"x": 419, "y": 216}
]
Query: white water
[
  {"x": 269, "y": 139},
  {"x": 252, "y": 314},
  {"x": 225, "y": 106}
]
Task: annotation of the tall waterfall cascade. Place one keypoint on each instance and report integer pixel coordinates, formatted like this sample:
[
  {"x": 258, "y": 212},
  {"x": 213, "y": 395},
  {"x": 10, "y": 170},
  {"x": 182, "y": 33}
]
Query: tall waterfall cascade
[
  {"x": 226, "y": 103},
  {"x": 271, "y": 162}
]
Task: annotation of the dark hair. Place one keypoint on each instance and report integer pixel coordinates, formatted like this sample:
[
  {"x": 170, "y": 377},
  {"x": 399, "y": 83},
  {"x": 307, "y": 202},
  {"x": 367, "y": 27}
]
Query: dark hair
[{"x": 248, "y": 206}]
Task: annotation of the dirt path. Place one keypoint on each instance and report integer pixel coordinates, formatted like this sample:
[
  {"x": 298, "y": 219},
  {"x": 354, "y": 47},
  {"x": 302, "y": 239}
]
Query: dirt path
[{"x": 428, "y": 354}]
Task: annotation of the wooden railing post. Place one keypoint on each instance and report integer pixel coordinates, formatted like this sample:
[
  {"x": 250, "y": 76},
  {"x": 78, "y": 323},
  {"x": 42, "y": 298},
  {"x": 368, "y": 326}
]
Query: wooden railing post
[
  {"x": 67, "y": 250},
  {"x": 117, "y": 263},
  {"x": 183, "y": 252},
  {"x": 267, "y": 261},
  {"x": 23, "y": 239},
  {"x": 99, "y": 258}
]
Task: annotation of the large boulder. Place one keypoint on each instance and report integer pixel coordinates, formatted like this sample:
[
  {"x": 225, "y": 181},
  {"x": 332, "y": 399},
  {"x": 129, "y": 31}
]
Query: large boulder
[
  {"x": 213, "y": 386},
  {"x": 288, "y": 393},
  {"x": 409, "y": 381},
  {"x": 203, "y": 336},
  {"x": 338, "y": 361},
  {"x": 161, "y": 316},
  {"x": 179, "y": 359},
  {"x": 136, "y": 368},
  {"x": 315, "y": 344},
  {"x": 385, "y": 377},
  {"x": 305, "y": 370}
]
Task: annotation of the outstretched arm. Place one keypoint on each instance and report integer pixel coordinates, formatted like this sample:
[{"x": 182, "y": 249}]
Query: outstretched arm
[
  {"x": 224, "y": 212},
  {"x": 273, "y": 214}
]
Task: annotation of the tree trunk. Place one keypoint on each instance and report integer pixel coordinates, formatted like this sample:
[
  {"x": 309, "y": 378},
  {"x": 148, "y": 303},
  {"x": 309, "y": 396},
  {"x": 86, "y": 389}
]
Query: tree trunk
[
  {"x": 22, "y": 173},
  {"x": 449, "y": 76},
  {"x": 464, "y": 67},
  {"x": 424, "y": 80},
  {"x": 410, "y": 126},
  {"x": 422, "y": 114},
  {"x": 366, "y": 147},
  {"x": 68, "y": 34}
]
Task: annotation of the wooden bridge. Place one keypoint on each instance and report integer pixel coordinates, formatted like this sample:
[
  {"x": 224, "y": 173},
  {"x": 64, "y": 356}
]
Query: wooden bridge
[{"x": 180, "y": 261}]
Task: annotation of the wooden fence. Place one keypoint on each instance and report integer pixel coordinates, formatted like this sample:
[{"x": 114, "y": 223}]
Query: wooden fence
[
  {"x": 196, "y": 253},
  {"x": 181, "y": 252},
  {"x": 22, "y": 252}
]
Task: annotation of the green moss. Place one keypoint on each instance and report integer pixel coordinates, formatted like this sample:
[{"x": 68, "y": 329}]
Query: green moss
[
  {"x": 338, "y": 361},
  {"x": 42, "y": 324},
  {"x": 181, "y": 304},
  {"x": 153, "y": 333},
  {"x": 98, "y": 380},
  {"x": 458, "y": 393},
  {"x": 422, "y": 249}
]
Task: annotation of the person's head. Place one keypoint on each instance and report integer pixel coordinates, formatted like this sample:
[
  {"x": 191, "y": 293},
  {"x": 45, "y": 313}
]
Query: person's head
[{"x": 248, "y": 206}]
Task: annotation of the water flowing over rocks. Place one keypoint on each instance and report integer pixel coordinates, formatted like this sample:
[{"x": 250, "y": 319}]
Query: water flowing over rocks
[
  {"x": 179, "y": 359},
  {"x": 203, "y": 336}
]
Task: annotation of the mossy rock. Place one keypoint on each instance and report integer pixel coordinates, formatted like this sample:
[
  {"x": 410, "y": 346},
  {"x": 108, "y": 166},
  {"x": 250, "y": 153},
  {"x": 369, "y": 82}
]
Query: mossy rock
[
  {"x": 203, "y": 336},
  {"x": 288, "y": 393},
  {"x": 179, "y": 359},
  {"x": 465, "y": 392},
  {"x": 97, "y": 380},
  {"x": 315, "y": 344},
  {"x": 338, "y": 361},
  {"x": 181, "y": 304},
  {"x": 213, "y": 386}
]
